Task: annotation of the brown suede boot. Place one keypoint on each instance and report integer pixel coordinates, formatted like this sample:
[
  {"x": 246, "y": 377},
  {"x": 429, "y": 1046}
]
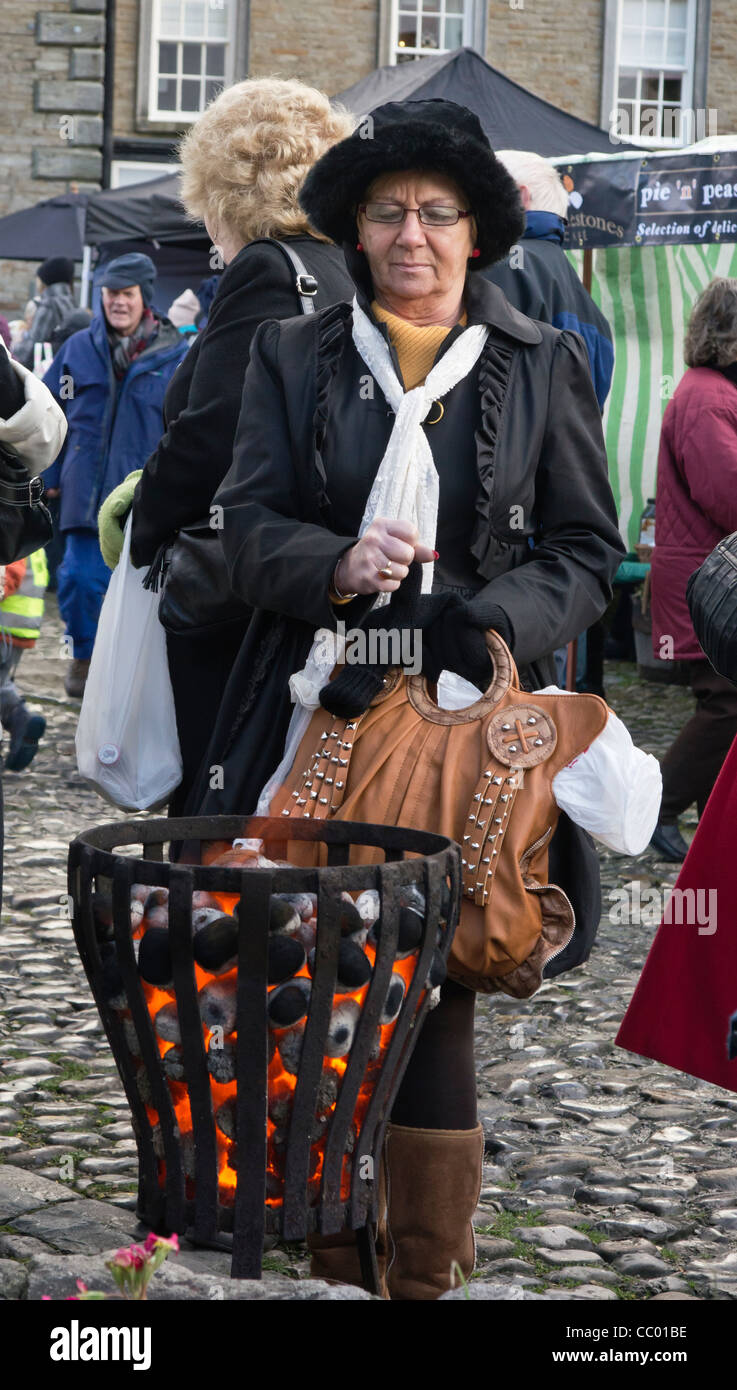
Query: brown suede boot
[{"x": 433, "y": 1179}]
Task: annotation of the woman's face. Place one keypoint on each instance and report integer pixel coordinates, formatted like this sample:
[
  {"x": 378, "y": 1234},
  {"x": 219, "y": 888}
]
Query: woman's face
[{"x": 408, "y": 260}]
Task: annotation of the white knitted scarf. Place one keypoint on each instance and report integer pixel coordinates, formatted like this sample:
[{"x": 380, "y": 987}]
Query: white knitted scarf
[{"x": 406, "y": 488}]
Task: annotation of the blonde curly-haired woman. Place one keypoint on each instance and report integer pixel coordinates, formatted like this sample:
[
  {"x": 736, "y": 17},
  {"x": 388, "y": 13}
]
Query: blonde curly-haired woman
[{"x": 243, "y": 164}]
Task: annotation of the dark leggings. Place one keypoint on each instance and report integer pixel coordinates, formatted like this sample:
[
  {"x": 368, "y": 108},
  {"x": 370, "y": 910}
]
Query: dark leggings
[{"x": 439, "y": 1086}]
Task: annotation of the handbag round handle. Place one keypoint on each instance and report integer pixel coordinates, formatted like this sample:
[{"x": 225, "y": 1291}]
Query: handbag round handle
[{"x": 504, "y": 676}]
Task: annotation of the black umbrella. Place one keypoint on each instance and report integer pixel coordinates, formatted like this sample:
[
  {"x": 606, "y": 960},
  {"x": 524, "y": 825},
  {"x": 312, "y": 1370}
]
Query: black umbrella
[
  {"x": 54, "y": 227},
  {"x": 512, "y": 117}
]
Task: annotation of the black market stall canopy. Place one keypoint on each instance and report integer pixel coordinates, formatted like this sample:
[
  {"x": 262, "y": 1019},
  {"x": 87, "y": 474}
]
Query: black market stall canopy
[
  {"x": 511, "y": 117},
  {"x": 685, "y": 197},
  {"x": 149, "y": 211},
  {"x": 54, "y": 227},
  {"x": 149, "y": 217}
]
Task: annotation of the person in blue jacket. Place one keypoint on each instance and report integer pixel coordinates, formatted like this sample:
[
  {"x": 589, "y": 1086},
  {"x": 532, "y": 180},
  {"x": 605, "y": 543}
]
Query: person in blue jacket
[
  {"x": 110, "y": 380},
  {"x": 537, "y": 276}
]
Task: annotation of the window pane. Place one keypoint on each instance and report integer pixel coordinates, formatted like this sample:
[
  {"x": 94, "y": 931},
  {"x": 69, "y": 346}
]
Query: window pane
[
  {"x": 407, "y": 32},
  {"x": 655, "y": 14},
  {"x": 676, "y": 47},
  {"x": 672, "y": 122},
  {"x": 631, "y": 51},
  {"x": 654, "y": 49},
  {"x": 453, "y": 33},
  {"x": 452, "y": 6},
  {"x": 167, "y": 94},
  {"x": 170, "y": 18},
  {"x": 192, "y": 57},
  {"x": 633, "y": 12},
  {"x": 168, "y": 57},
  {"x": 678, "y": 14},
  {"x": 405, "y": 57},
  {"x": 217, "y": 19},
  {"x": 650, "y": 88},
  {"x": 432, "y": 6},
  {"x": 672, "y": 88},
  {"x": 430, "y": 33},
  {"x": 212, "y": 89},
  {"x": 628, "y": 86},
  {"x": 649, "y": 119},
  {"x": 215, "y": 60},
  {"x": 190, "y": 95},
  {"x": 194, "y": 19}
]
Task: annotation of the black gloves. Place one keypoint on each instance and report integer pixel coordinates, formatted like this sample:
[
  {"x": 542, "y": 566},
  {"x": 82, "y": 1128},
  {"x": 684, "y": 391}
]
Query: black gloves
[
  {"x": 452, "y": 638},
  {"x": 353, "y": 689}
]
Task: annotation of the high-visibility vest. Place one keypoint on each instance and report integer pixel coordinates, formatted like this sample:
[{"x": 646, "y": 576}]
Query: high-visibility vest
[{"x": 22, "y": 612}]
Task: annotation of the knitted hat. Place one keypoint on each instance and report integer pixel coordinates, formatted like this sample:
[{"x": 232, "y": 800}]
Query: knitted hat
[
  {"x": 131, "y": 269},
  {"x": 57, "y": 270},
  {"x": 436, "y": 136}
]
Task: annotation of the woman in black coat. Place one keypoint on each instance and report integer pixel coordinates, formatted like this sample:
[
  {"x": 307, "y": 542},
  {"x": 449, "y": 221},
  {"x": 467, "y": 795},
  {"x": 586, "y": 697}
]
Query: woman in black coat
[
  {"x": 234, "y": 182},
  {"x": 523, "y": 536}
]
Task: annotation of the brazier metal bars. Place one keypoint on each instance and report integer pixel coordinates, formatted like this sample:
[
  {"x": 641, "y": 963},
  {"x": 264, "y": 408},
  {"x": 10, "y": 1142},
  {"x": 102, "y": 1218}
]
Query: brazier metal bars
[{"x": 184, "y": 1195}]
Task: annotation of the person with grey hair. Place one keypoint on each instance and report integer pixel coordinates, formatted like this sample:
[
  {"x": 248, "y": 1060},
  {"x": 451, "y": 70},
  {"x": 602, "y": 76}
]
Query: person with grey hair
[
  {"x": 695, "y": 507},
  {"x": 537, "y": 276}
]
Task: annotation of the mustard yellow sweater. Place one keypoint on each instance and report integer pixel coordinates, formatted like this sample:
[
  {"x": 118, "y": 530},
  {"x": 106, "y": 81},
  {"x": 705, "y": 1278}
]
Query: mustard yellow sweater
[{"x": 415, "y": 347}]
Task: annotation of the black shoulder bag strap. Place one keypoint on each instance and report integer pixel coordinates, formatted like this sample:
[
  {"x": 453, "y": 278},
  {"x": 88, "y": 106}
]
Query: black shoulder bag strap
[{"x": 304, "y": 283}]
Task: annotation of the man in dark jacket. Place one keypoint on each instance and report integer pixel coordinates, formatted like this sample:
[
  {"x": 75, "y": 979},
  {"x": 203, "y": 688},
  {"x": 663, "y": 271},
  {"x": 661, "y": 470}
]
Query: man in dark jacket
[
  {"x": 537, "y": 276},
  {"x": 110, "y": 380},
  {"x": 54, "y": 303}
]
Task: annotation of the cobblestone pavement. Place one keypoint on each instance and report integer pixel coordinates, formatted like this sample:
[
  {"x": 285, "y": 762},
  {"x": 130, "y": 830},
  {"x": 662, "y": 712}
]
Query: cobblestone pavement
[{"x": 606, "y": 1176}]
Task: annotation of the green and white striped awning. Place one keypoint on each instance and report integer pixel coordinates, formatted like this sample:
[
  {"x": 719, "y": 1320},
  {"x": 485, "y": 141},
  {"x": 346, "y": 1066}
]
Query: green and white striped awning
[{"x": 647, "y": 294}]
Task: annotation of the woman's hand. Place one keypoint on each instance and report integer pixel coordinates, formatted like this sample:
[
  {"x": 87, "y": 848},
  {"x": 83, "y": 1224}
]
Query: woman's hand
[{"x": 394, "y": 543}]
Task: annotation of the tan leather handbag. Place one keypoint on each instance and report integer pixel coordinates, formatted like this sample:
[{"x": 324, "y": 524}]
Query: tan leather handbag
[{"x": 481, "y": 775}]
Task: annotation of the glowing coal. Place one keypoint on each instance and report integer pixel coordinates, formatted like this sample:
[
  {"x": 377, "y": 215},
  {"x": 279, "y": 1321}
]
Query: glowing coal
[
  {"x": 342, "y": 1030},
  {"x": 218, "y": 1005}
]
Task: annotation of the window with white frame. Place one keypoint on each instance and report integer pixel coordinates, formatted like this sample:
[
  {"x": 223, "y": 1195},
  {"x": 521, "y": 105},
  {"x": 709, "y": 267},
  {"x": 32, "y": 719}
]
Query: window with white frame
[
  {"x": 191, "y": 56},
  {"x": 421, "y": 28},
  {"x": 124, "y": 172},
  {"x": 654, "y": 75}
]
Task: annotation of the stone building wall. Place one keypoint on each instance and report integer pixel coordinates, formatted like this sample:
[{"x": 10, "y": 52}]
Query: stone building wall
[
  {"x": 332, "y": 45},
  {"x": 126, "y": 67},
  {"x": 51, "y": 62},
  {"x": 552, "y": 47},
  {"x": 721, "y": 86}
]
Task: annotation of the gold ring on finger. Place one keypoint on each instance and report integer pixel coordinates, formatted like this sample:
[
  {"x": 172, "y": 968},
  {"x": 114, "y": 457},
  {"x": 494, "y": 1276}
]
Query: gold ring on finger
[{"x": 387, "y": 571}]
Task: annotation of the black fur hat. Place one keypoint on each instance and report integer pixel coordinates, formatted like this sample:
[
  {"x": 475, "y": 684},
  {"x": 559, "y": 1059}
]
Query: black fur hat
[{"x": 438, "y": 136}]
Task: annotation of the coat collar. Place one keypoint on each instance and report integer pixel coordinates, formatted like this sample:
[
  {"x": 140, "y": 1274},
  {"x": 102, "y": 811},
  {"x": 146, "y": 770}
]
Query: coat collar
[{"x": 485, "y": 302}]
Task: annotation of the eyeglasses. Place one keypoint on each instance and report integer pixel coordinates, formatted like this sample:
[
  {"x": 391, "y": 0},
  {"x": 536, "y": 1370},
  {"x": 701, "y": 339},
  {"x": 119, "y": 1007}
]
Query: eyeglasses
[{"x": 430, "y": 214}]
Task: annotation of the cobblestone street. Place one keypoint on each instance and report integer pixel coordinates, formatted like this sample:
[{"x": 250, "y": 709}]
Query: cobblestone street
[{"x": 606, "y": 1176}]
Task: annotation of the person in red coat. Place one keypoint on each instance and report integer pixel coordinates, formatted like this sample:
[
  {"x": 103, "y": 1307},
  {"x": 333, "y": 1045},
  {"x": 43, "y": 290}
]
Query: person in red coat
[
  {"x": 684, "y": 1009},
  {"x": 695, "y": 506}
]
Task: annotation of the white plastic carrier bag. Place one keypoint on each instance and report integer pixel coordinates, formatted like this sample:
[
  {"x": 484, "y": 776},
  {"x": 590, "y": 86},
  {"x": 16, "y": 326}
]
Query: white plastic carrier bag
[{"x": 127, "y": 743}]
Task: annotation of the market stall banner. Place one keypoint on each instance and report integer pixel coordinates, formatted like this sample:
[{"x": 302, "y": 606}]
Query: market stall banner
[
  {"x": 647, "y": 294},
  {"x": 661, "y": 200}
]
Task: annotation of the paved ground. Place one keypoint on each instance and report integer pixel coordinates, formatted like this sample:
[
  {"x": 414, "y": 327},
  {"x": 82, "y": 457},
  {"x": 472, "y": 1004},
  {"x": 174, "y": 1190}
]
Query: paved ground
[{"x": 606, "y": 1176}]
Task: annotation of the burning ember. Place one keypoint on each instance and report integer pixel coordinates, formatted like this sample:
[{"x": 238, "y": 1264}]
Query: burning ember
[{"x": 292, "y": 955}]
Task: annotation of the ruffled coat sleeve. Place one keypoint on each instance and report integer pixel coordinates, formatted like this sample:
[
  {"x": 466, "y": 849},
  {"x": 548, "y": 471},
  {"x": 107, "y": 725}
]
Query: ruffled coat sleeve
[{"x": 565, "y": 584}]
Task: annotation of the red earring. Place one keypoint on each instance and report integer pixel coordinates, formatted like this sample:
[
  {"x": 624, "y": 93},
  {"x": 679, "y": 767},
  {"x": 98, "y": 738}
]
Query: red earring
[
  {"x": 359, "y": 246},
  {"x": 475, "y": 252}
]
